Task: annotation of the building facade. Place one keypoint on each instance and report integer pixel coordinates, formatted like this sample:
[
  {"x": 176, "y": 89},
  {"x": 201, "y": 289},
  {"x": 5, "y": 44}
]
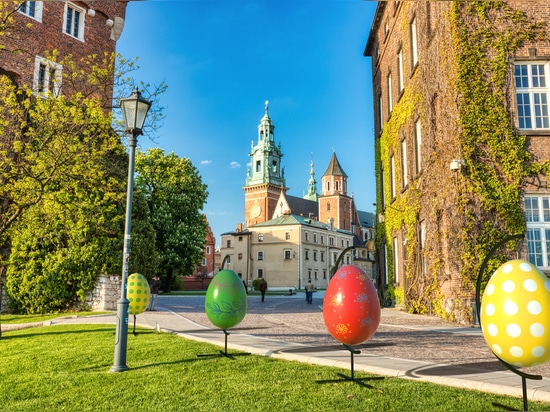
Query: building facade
[
  {"x": 460, "y": 93},
  {"x": 34, "y": 29},
  {"x": 289, "y": 240},
  {"x": 207, "y": 267}
]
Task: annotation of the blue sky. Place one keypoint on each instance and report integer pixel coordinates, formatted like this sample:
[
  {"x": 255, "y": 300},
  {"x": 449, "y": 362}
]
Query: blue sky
[{"x": 223, "y": 59}]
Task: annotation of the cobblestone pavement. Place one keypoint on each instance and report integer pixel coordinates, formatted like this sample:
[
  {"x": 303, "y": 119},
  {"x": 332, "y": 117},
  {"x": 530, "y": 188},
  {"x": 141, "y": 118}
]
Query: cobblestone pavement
[{"x": 400, "y": 335}]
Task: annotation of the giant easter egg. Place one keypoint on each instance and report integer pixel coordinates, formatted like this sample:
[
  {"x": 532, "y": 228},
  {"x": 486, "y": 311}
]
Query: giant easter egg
[
  {"x": 515, "y": 314},
  {"x": 139, "y": 294},
  {"x": 351, "y": 309},
  {"x": 226, "y": 300}
]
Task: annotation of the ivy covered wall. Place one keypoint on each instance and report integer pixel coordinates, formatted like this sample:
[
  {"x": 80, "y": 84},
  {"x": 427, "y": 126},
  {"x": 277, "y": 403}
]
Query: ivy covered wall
[{"x": 461, "y": 92}]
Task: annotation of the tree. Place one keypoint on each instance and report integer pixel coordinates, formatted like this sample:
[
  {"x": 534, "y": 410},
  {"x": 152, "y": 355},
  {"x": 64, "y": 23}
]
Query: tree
[
  {"x": 175, "y": 196},
  {"x": 63, "y": 181}
]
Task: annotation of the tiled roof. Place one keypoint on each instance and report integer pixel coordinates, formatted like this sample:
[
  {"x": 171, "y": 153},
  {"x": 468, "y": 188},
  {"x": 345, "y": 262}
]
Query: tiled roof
[{"x": 334, "y": 168}]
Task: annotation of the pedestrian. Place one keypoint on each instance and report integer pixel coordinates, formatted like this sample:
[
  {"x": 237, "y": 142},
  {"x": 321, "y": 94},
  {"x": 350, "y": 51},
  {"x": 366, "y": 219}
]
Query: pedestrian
[
  {"x": 263, "y": 288},
  {"x": 154, "y": 285},
  {"x": 309, "y": 292},
  {"x": 244, "y": 283}
]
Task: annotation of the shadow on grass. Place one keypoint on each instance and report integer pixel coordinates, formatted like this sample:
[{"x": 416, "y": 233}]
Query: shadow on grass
[{"x": 6, "y": 335}]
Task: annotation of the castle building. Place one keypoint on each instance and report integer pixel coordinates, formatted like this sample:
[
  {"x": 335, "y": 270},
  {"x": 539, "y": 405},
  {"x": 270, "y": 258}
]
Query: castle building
[
  {"x": 288, "y": 240},
  {"x": 461, "y": 93}
]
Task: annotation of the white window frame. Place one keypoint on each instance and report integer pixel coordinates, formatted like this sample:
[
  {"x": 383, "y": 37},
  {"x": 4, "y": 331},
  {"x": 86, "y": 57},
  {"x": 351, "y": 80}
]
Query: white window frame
[
  {"x": 392, "y": 176},
  {"x": 70, "y": 8},
  {"x": 418, "y": 145},
  {"x": 404, "y": 169},
  {"x": 287, "y": 254},
  {"x": 537, "y": 219},
  {"x": 25, "y": 9},
  {"x": 41, "y": 86},
  {"x": 532, "y": 95},
  {"x": 401, "y": 70},
  {"x": 390, "y": 100},
  {"x": 260, "y": 255},
  {"x": 414, "y": 43},
  {"x": 396, "y": 276}
]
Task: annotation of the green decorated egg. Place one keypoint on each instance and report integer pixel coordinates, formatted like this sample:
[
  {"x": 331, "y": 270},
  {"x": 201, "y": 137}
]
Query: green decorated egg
[
  {"x": 138, "y": 293},
  {"x": 226, "y": 300}
]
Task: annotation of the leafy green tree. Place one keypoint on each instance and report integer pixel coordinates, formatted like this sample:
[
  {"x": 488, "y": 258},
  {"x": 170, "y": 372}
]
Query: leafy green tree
[{"x": 175, "y": 196}]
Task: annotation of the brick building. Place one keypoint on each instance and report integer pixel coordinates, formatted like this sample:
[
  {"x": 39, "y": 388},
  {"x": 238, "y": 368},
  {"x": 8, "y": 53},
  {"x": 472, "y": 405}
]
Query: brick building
[
  {"x": 37, "y": 28},
  {"x": 462, "y": 132}
]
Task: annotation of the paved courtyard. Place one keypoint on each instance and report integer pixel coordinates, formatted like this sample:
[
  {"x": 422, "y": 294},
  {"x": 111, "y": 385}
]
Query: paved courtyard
[{"x": 400, "y": 335}]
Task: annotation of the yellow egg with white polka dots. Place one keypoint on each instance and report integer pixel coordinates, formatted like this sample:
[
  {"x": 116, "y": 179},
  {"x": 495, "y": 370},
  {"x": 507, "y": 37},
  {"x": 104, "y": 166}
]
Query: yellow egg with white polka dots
[{"x": 515, "y": 314}]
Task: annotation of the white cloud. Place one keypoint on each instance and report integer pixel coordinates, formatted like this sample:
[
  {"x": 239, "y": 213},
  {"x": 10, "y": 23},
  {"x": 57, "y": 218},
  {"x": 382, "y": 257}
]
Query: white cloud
[
  {"x": 206, "y": 162},
  {"x": 234, "y": 165}
]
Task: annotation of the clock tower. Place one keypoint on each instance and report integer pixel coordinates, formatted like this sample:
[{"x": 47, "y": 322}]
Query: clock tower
[{"x": 265, "y": 178}]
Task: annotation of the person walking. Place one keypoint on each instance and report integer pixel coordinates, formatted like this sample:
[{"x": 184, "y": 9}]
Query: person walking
[
  {"x": 154, "y": 285},
  {"x": 309, "y": 292},
  {"x": 263, "y": 288}
]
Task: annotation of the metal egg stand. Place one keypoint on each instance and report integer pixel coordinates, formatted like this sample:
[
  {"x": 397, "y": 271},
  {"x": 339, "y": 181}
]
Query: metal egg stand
[{"x": 524, "y": 376}]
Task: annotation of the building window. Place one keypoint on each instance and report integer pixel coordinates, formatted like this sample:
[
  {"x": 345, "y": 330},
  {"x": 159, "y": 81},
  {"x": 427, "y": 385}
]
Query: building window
[
  {"x": 414, "y": 43},
  {"x": 32, "y": 9},
  {"x": 315, "y": 256},
  {"x": 228, "y": 259},
  {"x": 401, "y": 70},
  {"x": 287, "y": 254},
  {"x": 537, "y": 218},
  {"x": 207, "y": 250},
  {"x": 260, "y": 273},
  {"x": 315, "y": 275},
  {"x": 322, "y": 239},
  {"x": 334, "y": 257},
  {"x": 395, "y": 261},
  {"x": 392, "y": 171},
  {"x": 47, "y": 77},
  {"x": 74, "y": 21},
  {"x": 532, "y": 93},
  {"x": 260, "y": 255},
  {"x": 260, "y": 237},
  {"x": 380, "y": 111},
  {"x": 287, "y": 235},
  {"x": 315, "y": 237},
  {"x": 240, "y": 256},
  {"x": 306, "y": 234},
  {"x": 203, "y": 263},
  {"x": 306, "y": 254},
  {"x": 331, "y": 241},
  {"x": 324, "y": 273},
  {"x": 328, "y": 205},
  {"x": 258, "y": 166},
  {"x": 322, "y": 256},
  {"x": 228, "y": 243},
  {"x": 240, "y": 238},
  {"x": 390, "y": 101},
  {"x": 405, "y": 173},
  {"x": 418, "y": 146}
]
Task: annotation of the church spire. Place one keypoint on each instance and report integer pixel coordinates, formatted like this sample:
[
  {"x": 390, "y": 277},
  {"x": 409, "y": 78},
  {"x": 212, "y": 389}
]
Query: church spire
[
  {"x": 265, "y": 156},
  {"x": 312, "y": 184}
]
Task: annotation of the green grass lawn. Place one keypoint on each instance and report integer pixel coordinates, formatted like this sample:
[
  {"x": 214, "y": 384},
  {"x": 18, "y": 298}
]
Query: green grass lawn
[
  {"x": 14, "y": 319},
  {"x": 66, "y": 367}
]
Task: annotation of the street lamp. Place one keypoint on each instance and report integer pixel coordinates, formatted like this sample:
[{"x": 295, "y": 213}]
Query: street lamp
[{"x": 134, "y": 110}]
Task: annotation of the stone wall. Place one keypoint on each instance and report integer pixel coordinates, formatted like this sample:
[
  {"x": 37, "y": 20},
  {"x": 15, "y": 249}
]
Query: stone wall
[{"x": 105, "y": 294}]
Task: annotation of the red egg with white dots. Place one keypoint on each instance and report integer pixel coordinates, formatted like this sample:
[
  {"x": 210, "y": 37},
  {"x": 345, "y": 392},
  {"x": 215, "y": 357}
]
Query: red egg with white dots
[{"x": 351, "y": 309}]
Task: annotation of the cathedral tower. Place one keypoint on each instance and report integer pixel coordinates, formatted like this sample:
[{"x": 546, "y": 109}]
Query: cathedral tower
[
  {"x": 334, "y": 203},
  {"x": 265, "y": 179}
]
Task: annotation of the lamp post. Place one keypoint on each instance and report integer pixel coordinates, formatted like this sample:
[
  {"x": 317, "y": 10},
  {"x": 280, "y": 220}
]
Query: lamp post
[{"x": 134, "y": 110}]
